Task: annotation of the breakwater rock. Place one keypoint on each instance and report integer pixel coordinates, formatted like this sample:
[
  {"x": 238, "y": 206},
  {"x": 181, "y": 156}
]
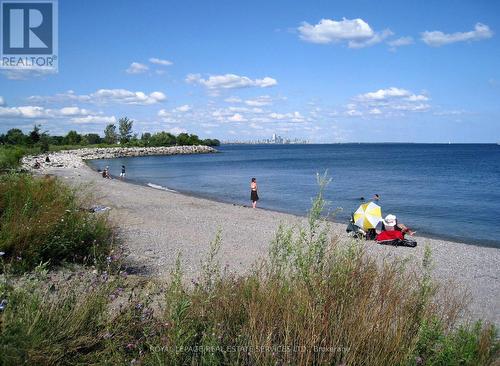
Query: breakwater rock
[{"x": 75, "y": 158}]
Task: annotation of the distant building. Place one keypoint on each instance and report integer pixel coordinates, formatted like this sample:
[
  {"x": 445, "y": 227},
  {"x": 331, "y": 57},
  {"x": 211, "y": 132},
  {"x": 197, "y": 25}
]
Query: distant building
[{"x": 275, "y": 139}]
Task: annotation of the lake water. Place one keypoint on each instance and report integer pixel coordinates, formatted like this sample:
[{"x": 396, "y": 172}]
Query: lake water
[{"x": 448, "y": 191}]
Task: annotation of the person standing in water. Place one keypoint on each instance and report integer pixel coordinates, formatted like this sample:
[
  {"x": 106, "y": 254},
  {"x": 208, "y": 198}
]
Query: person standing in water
[
  {"x": 122, "y": 174},
  {"x": 254, "y": 197}
]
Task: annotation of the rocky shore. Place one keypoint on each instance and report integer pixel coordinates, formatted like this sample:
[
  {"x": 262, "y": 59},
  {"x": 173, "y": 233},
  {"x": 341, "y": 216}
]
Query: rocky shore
[{"x": 75, "y": 158}]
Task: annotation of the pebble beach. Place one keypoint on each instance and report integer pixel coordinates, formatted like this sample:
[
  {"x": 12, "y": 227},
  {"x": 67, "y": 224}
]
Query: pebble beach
[{"x": 156, "y": 225}]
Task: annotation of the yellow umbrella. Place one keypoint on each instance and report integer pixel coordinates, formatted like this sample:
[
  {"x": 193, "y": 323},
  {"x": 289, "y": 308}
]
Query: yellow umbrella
[{"x": 368, "y": 215}]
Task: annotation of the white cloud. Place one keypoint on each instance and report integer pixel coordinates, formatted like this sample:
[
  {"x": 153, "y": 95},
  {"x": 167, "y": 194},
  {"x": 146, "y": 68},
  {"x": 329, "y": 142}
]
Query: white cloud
[
  {"x": 126, "y": 96},
  {"x": 159, "y": 61},
  {"x": 261, "y": 101},
  {"x": 230, "y": 81},
  {"x": 76, "y": 114},
  {"x": 94, "y": 120},
  {"x": 2, "y": 101},
  {"x": 163, "y": 113},
  {"x": 438, "y": 38},
  {"x": 137, "y": 68},
  {"x": 375, "y": 111},
  {"x": 24, "y": 112},
  {"x": 105, "y": 96},
  {"x": 383, "y": 94},
  {"x": 73, "y": 111},
  {"x": 182, "y": 109},
  {"x": 377, "y": 38},
  {"x": 402, "y": 41},
  {"x": 353, "y": 113},
  {"x": 411, "y": 107},
  {"x": 356, "y": 32},
  {"x": 233, "y": 100},
  {"x": 176, "y": 130},
  {"x": 387, "y": 101},
  {"x": 25, "y": 74},
  {"x": 417, "y": 98},
  {"x": 236, "y": 118},
  {"x": 293, "y": 116}
]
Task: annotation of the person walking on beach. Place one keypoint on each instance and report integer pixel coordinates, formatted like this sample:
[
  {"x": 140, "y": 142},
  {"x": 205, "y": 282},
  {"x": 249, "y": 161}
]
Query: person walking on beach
[
  {"x": 122, "y": 174},
  {"x": 254, "y": 197}
]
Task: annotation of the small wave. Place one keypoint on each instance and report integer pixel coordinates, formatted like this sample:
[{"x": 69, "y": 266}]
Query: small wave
[{"x": 156, "y": 186}]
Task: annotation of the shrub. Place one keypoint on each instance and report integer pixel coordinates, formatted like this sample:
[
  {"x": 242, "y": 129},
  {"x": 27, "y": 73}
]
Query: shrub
[
  {"x": 41, "y": 221},
  {"x": 43, "y": 328},
  {"x": 10, "y": 157}
]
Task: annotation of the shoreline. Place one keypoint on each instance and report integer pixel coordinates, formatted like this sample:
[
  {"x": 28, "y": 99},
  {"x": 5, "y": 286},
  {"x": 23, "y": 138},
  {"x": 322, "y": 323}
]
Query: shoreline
[
  {"x": 425, "y": 235},
  {"x": 76, "y": 158},
  {"x": 155, "y": 225}
]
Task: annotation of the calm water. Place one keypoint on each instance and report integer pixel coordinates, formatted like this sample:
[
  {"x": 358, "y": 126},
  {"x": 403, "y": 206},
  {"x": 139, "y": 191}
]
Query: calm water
[{"x": 449, "y": 191}]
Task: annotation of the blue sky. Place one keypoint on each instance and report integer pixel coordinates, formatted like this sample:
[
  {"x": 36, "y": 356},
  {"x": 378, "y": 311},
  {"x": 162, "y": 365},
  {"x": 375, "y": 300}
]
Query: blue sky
[{"x": 326, "y": 71}]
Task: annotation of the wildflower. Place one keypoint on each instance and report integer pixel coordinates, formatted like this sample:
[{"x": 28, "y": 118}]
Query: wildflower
[
  {"x": 109, "y": 259},
  {"x": 3, "y": 304},
  {"x": 2, "y": 254},
  {"x": 130, "y": 346}
]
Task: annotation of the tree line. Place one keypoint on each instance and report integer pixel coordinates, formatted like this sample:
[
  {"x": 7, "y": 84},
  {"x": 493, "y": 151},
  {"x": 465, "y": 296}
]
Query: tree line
[{"x": 122, "y": 134}]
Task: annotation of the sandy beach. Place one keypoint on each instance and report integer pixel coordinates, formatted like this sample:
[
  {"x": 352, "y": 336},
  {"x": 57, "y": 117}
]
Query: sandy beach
[{"x": 155, "y": 225}]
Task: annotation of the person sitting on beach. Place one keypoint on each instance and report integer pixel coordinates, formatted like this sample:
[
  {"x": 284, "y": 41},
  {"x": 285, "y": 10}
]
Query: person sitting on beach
[
  {"x": 254, "y": 197},
  {"x": 37, "y": 165},
  {"x": 105, "y": 173},
  {"x": 47, "y": 159},
  {"x": 389, "y": 231},
  {"x": 390, "y": 224}
]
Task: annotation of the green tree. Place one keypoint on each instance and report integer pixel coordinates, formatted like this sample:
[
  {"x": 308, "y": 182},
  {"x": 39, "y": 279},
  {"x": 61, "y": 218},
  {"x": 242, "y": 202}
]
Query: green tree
[
  {"x": 183, "y": 139},
  {"x": 125, "y": 128},
  {"x": 15, "y": 136},
  {"x": 146, "y": 139},
  {"x": 44, "y": 142},
  {"x": 35, "y": 134},
  {"x": 162, "y": 139},
  {"x": 72, "y": 138},
  {"x": 110, "y": 135},
  {"x": 56, "y": 140},
  {"x": 211, "y": 142},
  {"x": 93, "y": 138}
]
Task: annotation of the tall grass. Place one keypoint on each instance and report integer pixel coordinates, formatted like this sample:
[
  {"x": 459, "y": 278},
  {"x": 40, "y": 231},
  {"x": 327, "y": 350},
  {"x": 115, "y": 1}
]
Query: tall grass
[
  {"x": 312, "y": 301},
  {"x": 41, "y": 220},
  {"x": 10, "y": 156}
]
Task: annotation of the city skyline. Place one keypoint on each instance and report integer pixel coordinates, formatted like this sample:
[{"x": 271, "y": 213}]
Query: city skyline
[{"x": 343, "y": 72}]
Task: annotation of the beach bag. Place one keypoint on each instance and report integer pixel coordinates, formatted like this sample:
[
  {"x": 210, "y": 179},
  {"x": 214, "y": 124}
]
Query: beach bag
[
  {"x": 355, "y": 231},
  {"x": 399, "y": 243}
]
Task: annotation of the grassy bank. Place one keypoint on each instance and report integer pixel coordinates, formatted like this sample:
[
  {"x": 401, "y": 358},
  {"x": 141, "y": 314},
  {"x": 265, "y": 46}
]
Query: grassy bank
[
  {"x": 311, "y": 301},
  {"x": 10, "y": 156},
  {"x": 43, "y": 221}
]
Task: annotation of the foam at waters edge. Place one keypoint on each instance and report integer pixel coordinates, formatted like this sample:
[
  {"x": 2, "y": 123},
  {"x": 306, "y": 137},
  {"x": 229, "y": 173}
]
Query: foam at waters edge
[{"x": 156, "y": 186}]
